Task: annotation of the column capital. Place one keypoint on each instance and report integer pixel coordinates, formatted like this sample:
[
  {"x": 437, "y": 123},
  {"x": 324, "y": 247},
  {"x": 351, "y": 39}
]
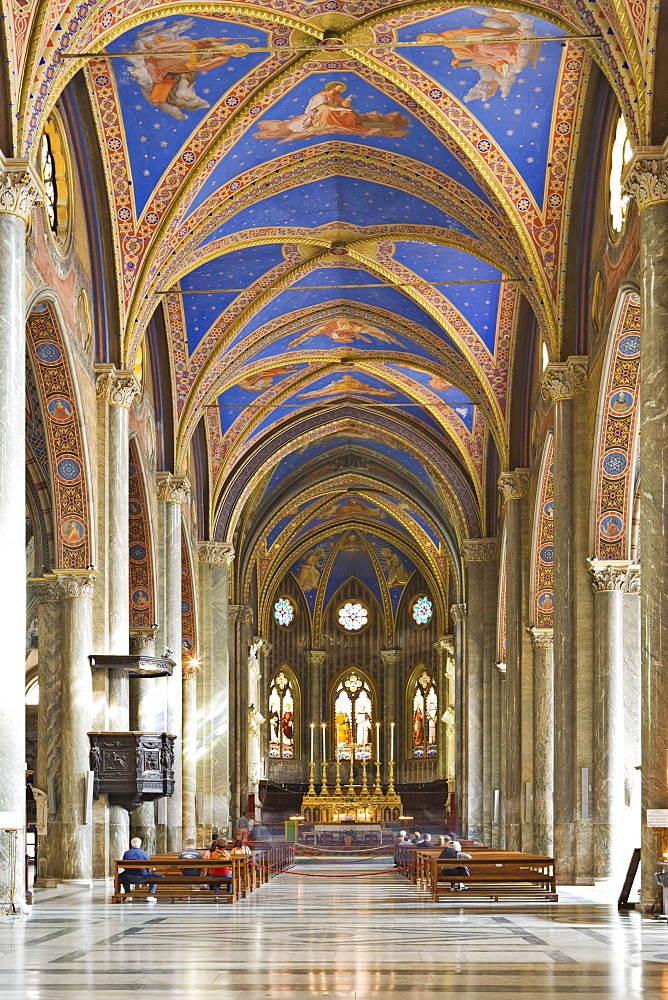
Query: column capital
[
  {"x": 391, "y": 657},
  {"x": 241, "y": 613},
  {"x": 262, "y": 645},
  {"x": 117, "y": 388},
  {"x": 190, "y": 669},
  {"x": 514, "y": 485},
  {"x": 217, "y": 553},
  {"x": 446, "y": 644},
  {"x": 541, "y": 638},
  {"x": 315, "y": 657},
  {"x": 20, "y": 188},
  {"x": 563, "y": 380},
  {"x": 142, "y": 639},
  {"x": 172, "y": 489},
  {"x": 458, "y": 612},
  {"x": 480, "y": 549},
  {"x": 62, "y": 584},
  {"x": 645, "y": 178},
  {"x": 614, "y": 574}
]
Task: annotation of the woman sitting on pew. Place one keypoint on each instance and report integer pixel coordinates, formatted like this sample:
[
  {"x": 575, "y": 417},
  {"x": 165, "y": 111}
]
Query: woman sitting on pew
[
  {"x": 219, "y": 852},
  {"x": 240, "y": 849},
  {"x": 454, "y": 850}
]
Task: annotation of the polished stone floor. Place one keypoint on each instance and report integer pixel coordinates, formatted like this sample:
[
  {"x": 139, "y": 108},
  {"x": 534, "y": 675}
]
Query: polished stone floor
[{"x": 351, "y": 938}]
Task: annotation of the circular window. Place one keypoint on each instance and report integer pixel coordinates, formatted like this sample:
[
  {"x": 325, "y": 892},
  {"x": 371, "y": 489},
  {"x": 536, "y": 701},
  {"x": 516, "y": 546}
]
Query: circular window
[
  {"x": 622, "y": 152},
  {"x": 54, "y": 168},
  {"x": 284, "y": 612},
  {"x": 423, "y": 609},
  {"x": 353, "y": 616}
]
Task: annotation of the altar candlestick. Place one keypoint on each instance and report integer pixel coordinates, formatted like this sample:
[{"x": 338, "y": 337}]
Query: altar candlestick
[
  {"x": 312, "y": 728},
  {"x": 392, "y": 741},
  {"x": 378, "y": 741},
  {"x": 324, "y": 745}
]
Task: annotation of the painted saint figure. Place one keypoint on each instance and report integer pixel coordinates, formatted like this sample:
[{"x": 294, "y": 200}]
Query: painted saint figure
[
  {"x": 418, "y": 727},
  {"x": 308, "y": 575}
]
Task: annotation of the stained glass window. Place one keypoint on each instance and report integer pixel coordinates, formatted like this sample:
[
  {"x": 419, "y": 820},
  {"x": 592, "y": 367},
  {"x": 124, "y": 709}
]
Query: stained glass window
[
  {"x": 621, "y": 154},
  {"x": 423, "y": 609},
  {"x": 425, "y": 716},
  {"x": 353, "y": 616},
  {"x": 49, "y": 180},
  {"x": 281, "y": 718},
  {"x": 353, "y": 718},
  {"x": 284, "y": 612}
]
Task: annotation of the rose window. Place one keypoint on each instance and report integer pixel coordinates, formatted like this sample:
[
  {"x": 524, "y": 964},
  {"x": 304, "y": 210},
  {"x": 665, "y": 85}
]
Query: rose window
[
  {"x": 353, "y": 616},
  {"x": 284, "y": 613},
  {"x": 423, "y": 609}
]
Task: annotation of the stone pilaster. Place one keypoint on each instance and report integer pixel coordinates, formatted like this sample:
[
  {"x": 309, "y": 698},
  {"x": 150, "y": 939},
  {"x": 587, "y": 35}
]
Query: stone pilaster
[
  {"x": 458, "y": 615},
  {"x": 213, "y": 689},
  {"x": 65, "y": 757},
  {"x": 480, "y": 560},
  {"x": 514, "y": 487},
  {"x": 542, "y": 642},
  {"x": 611, "y": 580},
  {"x": 19, "y": 187},
  {"x": 172, "y": 492},
  {"x": 189, "y": 671},
  {"x": 240, "y": 639},
  {"x": 445, "y": 648},
  {"x": 647, "y": 182},
  {"x": 257, "y": 712},
  {"x": 392, "y": 661},
  {"x": 561, "y": 384},
  {"x": 315, "y": 665}
]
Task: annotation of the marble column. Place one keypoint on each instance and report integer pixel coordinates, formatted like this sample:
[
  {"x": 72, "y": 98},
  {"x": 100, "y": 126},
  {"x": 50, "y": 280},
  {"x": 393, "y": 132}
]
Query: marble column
[
  {"x": 257, "y": 714},
  {"x": 147, "y": 715},
  {"x": 240, "y": 639},
  {"x": 646, "y": 181},
  {"x": 118, "y": 390},
  {"x": 611, "y": 580},
  {"x": 213, "y": 689},
  {"x": 543, "y": 740},
  {"x": 72, "y": 590},
  {"x": 480, "y": 555},
  {"x": 513, "y": 486},
  {"x": 317, "y": 712},
  {"x": 19, "y": 186},
  {"x": 445, "y": 650},
  {"x": 392, "y": 661},
  {"x": 561, "y": 383},
  {"x": 458, "y": 615},
  {"x": 172, "y": 492}
]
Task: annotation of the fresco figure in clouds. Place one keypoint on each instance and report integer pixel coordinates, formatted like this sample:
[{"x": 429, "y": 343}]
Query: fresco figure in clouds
[
  {"x": 499, "y": 51},
  {"x": 329, "y": 113},
  {"x": 165, "y": 75}
]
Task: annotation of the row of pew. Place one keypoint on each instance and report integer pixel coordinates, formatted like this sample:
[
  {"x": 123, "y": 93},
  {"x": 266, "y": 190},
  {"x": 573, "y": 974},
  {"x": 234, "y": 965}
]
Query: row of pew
[
  {"x": 493, "y": 874},
  {"x": 248, "y": 874}
]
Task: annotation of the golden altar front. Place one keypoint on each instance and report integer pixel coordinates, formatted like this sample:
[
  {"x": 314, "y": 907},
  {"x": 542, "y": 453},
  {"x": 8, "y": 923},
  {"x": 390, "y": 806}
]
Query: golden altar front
[{"x": 349, "y": 803}]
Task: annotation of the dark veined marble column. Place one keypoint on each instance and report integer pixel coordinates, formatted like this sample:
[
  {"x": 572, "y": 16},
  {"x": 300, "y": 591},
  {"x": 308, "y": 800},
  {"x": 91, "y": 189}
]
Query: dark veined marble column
[
  {"x": 458, "y": 615},
  {"x": 240, "y": 640},
  {"x": 19, "y": 187},
  {"x": 647, "y": 182},
  {"x": 611, "y": 581},
  {"x": 317, "y": 711},
  {"x": 543, "y": 740},
  {"x": 561, "y": 383},
  {"x": 513, "y": 486}
]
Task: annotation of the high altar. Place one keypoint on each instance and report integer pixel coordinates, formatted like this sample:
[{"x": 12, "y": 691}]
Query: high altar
[{"x": 348, "y": 804}]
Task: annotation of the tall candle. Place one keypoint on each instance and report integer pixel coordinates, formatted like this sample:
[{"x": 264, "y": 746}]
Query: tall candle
[
  {"x": 378, "y": 741},
  {"x": 312, "y": 724},
  {"x": 324, "y": 746},
  {"x": 391, "y": 741}
]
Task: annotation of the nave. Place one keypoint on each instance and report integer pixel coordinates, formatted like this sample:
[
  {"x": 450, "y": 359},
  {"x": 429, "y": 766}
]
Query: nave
[{"x": 345, "y": 938}]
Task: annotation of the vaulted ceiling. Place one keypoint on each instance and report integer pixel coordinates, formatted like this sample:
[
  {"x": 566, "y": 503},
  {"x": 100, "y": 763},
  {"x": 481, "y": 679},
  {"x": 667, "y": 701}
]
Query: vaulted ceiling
[{"x": 340, "y": 207}]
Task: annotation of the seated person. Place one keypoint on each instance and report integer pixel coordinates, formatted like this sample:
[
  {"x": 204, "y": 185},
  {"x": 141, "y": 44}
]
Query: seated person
[
  {"x": 240, "y": 849},
  {"x": 445, "y": 840},
  {"x": 453, "y": 850},
  {"x": 417, "y": 838},
  {"x": 138, "y": 876},
  {"x": 219, "y": 874},
  {"x": 426, "y": 840},
  {"x": 191, "y": 852}
]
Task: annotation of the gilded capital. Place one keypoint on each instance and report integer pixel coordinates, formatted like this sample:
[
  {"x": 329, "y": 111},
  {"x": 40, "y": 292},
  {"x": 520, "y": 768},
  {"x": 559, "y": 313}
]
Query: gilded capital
[
  {"x": 240, "y": 613},
  {"x": 614, "y": 574},
  {"x": 64, "y": 584},
  {"x": 217, "y": 553},
  {"x": 142, "y": 640},
  {"x": 315, "y": 658},
  {"x": 541, "y": 638},
  {"x": 391, "y": 657},
  {"x": 565, "y": 379},
  {"x": 514, "y": 485},
  {"x": 645, "y": 178},
  {"x": 117, "y": 388},
  {"x": 20, "y": 188},
  {"x": 172, "y": 489},
  {"x": 190, "y": 669},
  {"x": 458, "y": 612},
  {"x": 446, "y": 644},
  {"x": 480, "y": 549},
  {"x": 262, "y": 645}
]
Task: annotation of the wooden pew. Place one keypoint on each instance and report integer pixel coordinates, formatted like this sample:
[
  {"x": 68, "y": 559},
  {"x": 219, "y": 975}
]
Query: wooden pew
[{"x": 495, "y": 875}]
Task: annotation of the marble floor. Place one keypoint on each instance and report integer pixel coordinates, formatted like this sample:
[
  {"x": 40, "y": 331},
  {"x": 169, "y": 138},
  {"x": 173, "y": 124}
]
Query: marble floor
[{"x": 351, "y": 938}]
